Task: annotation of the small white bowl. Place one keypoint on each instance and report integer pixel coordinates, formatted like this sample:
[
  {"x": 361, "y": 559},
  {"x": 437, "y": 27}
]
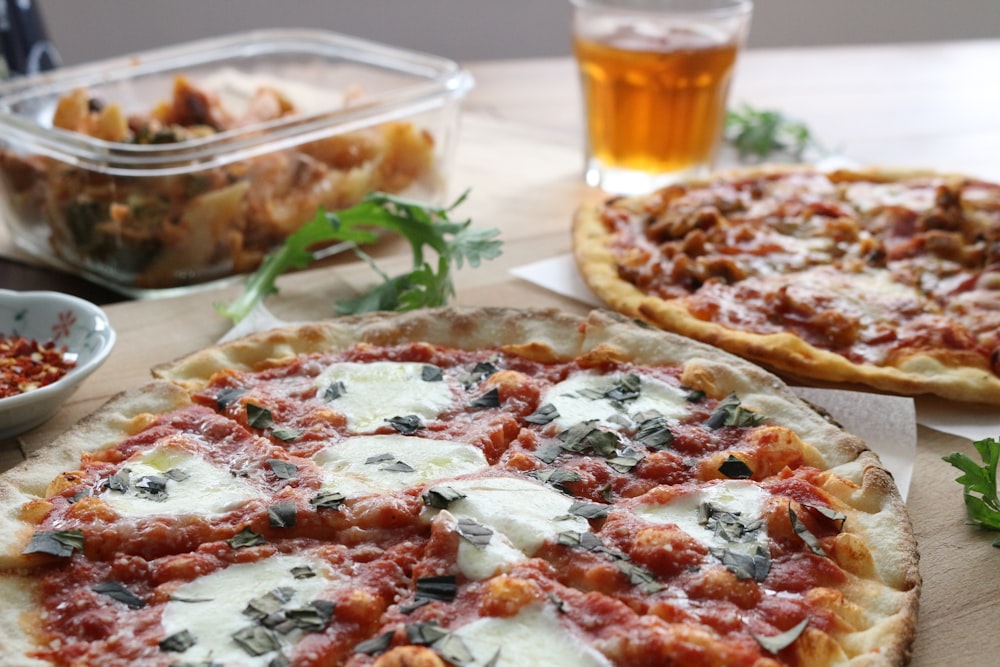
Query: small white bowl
[{"x": 78, "y": 325}]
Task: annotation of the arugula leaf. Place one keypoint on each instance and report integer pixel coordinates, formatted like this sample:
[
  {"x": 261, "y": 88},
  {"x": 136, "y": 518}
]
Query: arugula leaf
[
  {"x": 758, "y": 133},
  {"x": 980, "y": 482},
  {"x": 428, "y": 229}
]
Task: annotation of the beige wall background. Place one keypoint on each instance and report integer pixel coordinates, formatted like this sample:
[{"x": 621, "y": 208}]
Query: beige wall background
[{"x": 86, "y": 30}]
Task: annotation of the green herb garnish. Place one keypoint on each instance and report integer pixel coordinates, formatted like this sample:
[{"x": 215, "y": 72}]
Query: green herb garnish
[
  {"x": 116, "y": 591},
  {"x": 60, "y": 543},
  {"x": 980, "y": 482},
  {"x": 757, "y": 134},
  {"x": 425, "y": 227}
]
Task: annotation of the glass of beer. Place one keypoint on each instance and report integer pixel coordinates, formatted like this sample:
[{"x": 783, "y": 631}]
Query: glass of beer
[{"x": 655, "y": 79}]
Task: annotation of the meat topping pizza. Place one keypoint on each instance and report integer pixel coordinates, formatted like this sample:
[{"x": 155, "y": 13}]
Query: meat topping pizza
[
  {"x": 395, "y": 491},
  {"x": 887, "y": 279}
]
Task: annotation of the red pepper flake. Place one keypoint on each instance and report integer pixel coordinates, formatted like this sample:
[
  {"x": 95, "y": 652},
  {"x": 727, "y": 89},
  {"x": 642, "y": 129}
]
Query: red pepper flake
[{"x": 26, "y": 364}]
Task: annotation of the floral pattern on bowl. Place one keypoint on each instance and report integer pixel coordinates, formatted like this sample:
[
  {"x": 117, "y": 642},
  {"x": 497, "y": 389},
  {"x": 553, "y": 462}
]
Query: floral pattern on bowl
[{"x": 78, "y": 325}]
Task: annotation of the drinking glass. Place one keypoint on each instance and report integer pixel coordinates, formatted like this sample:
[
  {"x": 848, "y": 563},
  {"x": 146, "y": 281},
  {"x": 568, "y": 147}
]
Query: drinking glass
[{"x": 655, "y": 78}]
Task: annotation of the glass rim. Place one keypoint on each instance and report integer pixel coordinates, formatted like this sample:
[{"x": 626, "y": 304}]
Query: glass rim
[{"x": 680, "y": 7}]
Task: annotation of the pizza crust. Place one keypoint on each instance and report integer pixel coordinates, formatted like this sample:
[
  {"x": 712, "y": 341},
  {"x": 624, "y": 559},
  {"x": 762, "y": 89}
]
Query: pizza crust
[{"x": 785, "y": 353}]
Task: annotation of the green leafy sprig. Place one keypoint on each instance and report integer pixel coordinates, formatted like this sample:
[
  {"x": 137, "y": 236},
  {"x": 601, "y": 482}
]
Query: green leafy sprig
[
  {"x": 759, "y": 133},
  {"x": 980, "y": 482},
  {"x": 429, "y": 230}
]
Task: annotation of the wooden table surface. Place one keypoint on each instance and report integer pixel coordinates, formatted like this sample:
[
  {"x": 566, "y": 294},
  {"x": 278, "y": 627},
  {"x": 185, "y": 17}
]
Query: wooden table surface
[{"x": 930, "y": 105}]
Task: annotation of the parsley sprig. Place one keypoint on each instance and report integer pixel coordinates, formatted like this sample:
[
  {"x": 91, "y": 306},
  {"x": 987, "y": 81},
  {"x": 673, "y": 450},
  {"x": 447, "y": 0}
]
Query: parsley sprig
[
  {"x": 759, "y": 133},
  {"x": 429, "y": 230},
  {"x": 980, "y": 482}
]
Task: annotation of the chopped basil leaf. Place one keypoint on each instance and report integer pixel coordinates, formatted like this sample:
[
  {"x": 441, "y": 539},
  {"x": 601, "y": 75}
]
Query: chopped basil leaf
[
  {"x": 60, "y": 543},
  {"x": 283, "y": 469},
  {"x": 608, "y": 494},
  {"x": 178, "y": 642},
  {"x": 639, "y": 576},
  {"x": 557, "y": 477},
  {"x": 833, "y": 515},
  {"x": 490, "y": 399},
  {"x": 256, "y": 640},
  {"x": 588, "y": 541},
  {"x": 775, "y": 643},
  {"x": 694, "y": 396},
  {"x": 120, "y": 481},
  {"x": 287, "y": 434},
  {"x": 176, "y": 474},
  {"x": 655, "y": 433},
  {"x": 443, "y": 587},
  {"x": 246, "y": 538},
  {"x": 584, "y": 437},
  {"x": 548, "y": 453},
  {"x": 282, "y": 515},
  {"x": 431, "y": 373},
  {"x": 152, "y": 487},
  {"x": 313, "y": 617},
  {"x": 82, "y": 493},
  {"x": 745, "y": 565},
  {"x": 278, "y": 661},
  {"x": 803, "y": 532},
  {"x": 625, "y": 461},
  {"x": 424, "y": 633},
  {"x": 603, "y": 443},
  {"x": 439, "y": 497},
  {"x": 271, "y": 602},
  {"x": 303, "y": 572},
  {"x": 259, "y": 417},
  {"x": 627, "y": 389},
  {"x": 481, "y": 371},
  {"x": 334, "y": 391},
  {"x": 476, "y": 533},
  {"x": 588, "y": 510},
  {"x": 729, "y": 412},
  {"x": 735, "y": 468},
  {"x": 117, "y": 591},
  {"x": 375, "y": 645},
  {"x": 407, "y": 425},
  {"x": 728, "y": 526},
  {"x": 398, "y": 466},
  {"x": 543, "y": 415},
  {"x": 330, "y": 500},
  {"x": 379, "y": 458},
  {"x": 227, "y": 396}
]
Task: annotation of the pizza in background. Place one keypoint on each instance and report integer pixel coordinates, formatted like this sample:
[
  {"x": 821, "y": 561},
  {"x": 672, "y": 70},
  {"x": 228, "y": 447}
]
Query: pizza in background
[
  {"x": 461, "y": 487},
  {"x": 882, "y": 278}
]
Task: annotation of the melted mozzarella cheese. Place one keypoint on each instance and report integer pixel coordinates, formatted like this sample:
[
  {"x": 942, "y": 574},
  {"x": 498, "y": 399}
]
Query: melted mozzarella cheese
[
  {"x": 870, "y": 196},
  {"x": 580, "y": 398},
  {"x": 740, "y": 497},
  {"x": 522, "y": 514},
  {"x": 532, "y": 637},
  {"x": 372, "y": 393},
  {"x": 211, "y": 607},
  {"x": 349, "y": 471},
  {"x": 199, "y": 488}
]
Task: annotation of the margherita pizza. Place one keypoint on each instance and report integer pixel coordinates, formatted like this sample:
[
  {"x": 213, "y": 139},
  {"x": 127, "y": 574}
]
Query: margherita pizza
[
  {"x": 886, "y": 279},
  {"x": 470, "y": 487}
]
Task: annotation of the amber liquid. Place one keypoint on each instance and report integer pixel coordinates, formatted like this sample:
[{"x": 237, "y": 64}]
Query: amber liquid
[{"x": 655, "y": 106}]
